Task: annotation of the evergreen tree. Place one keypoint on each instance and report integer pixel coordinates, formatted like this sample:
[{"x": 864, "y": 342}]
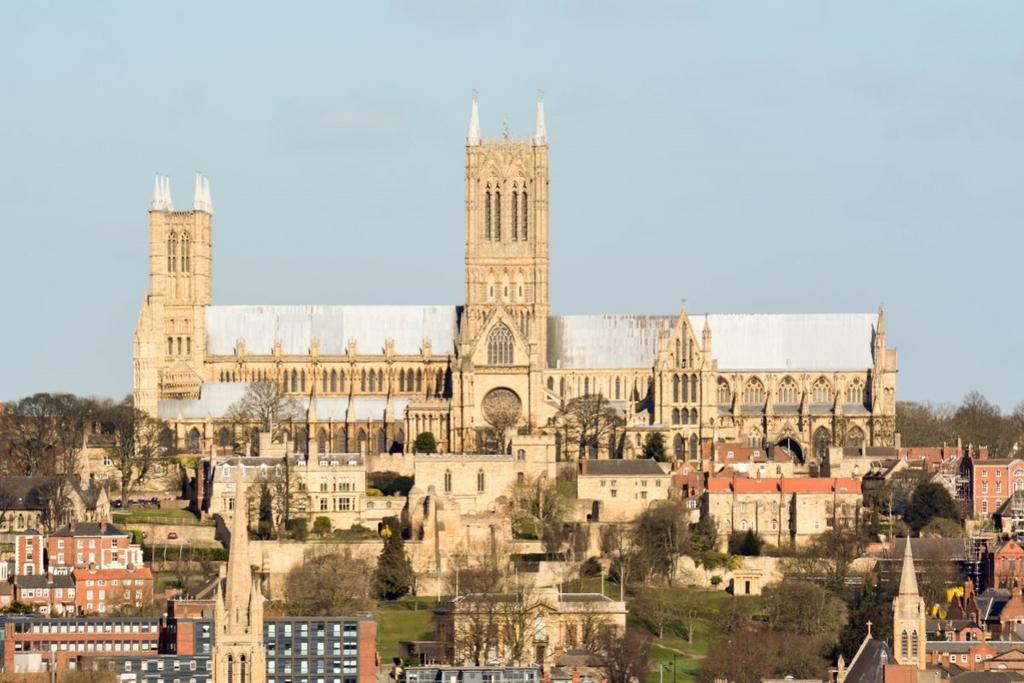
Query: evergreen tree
[
  {"x": 394, "y": 574},
  {"x": 424, "y": 443},
  {"x": 930, "y": 500},
  {"x": 654, "y": 447},
  {"x": 265, "y": 525}
]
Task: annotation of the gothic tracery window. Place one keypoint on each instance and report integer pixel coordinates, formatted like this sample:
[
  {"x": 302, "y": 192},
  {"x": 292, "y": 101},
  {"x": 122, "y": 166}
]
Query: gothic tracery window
[
  {"x": 855, "y": 392},
  {"x": 788, "y": 392},
  {"x": 821, "y": 392},
  {"x": 499, "y": 345},
  {"x": 855, "y": 437},
  {"x": 524, "y": 231},
  {"x": 186, "y": 253},
  {"x": 172, "y": 253},
  {"x": 515, "y": 216},
  {"x": 753, "y": 392},
  {"x": 487, "y": 214},
  {"x": 497, "y": 215},
  {"x": 724, "y": 394}
]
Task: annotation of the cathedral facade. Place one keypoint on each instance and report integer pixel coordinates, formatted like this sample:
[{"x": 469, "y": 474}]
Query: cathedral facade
[{"x": 374, "y": 377}]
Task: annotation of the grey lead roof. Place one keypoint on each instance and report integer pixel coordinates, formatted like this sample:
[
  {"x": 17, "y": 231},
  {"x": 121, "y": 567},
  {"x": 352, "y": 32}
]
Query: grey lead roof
[
  {"x": 216, "y": 398},
  {"x": 820, "y": 342},
  {"x": 599, "y": 342},
  {"x": 296, "y": 327}
]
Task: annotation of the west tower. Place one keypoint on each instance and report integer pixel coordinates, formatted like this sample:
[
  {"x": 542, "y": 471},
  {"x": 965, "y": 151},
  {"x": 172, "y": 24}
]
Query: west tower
[{"x": 170, "y": 336}]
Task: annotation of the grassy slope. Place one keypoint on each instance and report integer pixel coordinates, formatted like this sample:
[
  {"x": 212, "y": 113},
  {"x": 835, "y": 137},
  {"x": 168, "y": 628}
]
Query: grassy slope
[{"x": 398, "y": 621}]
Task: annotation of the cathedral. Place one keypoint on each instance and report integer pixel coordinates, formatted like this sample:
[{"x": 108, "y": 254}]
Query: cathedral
[{"x": 372, "y": 378}]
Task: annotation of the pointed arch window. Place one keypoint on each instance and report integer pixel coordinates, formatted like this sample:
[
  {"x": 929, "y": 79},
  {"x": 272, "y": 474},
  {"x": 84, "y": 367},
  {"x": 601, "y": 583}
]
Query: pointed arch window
[
  {"x": 321, "y": 441},
  {"x": 855, "y": 392},
  {"x": 675, "y": 416},
  {"x": 487, "y": 215},
  {"x": 373, "y": 381},
  {"x": 693, "y": 388},
  {"x": 480, "y": 481},
  {"x": 788, "y": 392},
  {"x": 913, "y": 644},
  {"x": 295, "y": 381},
  {"x": 382, "y": 441},
  {"x": 724, "y": 393},
  {"x": 362, "y": 380},
  {"x": 618, "y": 388},
  {"x": 686, "y": 390},
  {"x": 302, "y": 381},
  {"x": 172, "y": 253},
  {"x": 821, "y": 392},
  {"x": 515, "y": 216},
  {"x": 170, "y": 346},
  {"x": 447, "y": 481},
  {"x": 525, "y": 213},
  {"x": 334, "y": 380},
  {"x": 753, "y": 393},
  {"x": 499, "y": 345},
  {"x": 855, "y": 438},
  {"x": 325, "y": 383},
  {"x": 401, "y": 380},
  {"x": 419, "y": 380},
  {"x": 904, "y": 644},
  {"x": 694, "y": 447},
  {"x": 186, "y": 249},
  {"x": 497, "y": 215},
  {"x": 675, "y": 388}
]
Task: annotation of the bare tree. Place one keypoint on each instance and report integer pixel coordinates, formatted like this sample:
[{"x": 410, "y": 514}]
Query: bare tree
[
  {"x": 587, "y": 422},
  {"x": 539, "y": 509},
  {"x": 45, "y": 433},
  {"x": 334, "y": 583},
  {"x": 136, "y": 445},
  {"x": 265, "y": 407},
  {"x": 625, "y": 655},
  {"x": 617, "y": 544}
]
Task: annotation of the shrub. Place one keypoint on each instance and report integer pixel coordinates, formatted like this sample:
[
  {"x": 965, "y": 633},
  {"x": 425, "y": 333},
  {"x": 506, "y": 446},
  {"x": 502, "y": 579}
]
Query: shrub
[
  {"x": 298, "y": 529},
  {"x": 322, "y": 526},
  {"x": 590, "y": 568},
  {"x": 745, "y": 543},
  {"x": 716, "y": 580}
]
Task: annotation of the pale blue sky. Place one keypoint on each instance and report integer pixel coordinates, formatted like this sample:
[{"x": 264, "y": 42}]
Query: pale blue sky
[{"x": 750, "y": 157}]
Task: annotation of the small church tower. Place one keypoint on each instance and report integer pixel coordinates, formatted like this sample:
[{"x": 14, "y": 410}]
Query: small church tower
[
  {"x": 908, "y": 616},
  {"x": 238, "y": 654}
]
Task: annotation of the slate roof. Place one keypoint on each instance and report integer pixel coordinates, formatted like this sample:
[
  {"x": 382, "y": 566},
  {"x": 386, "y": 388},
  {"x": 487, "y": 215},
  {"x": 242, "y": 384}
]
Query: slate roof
[
  {"x": 868, "y": 666},
  {"x": 35, "y": 581},
  {"x": 89, "y": 529},
  {"x": 638, "y": 467}
]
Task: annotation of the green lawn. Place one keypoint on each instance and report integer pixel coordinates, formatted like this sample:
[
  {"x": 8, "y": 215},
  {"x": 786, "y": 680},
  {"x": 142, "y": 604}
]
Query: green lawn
[
  {"x": 400, "y": 620},
  {"x": 156, "y": 516}
]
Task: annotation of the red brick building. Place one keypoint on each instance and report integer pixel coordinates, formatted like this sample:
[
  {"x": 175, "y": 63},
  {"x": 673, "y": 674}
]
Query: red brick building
[
  {"x": 89, "y": 544},
  {"x": 29, "y": 555},
  {"x": 47, "y": 593},
  {"x": 101, "y": 590},
  {"x": 992, "y": 482}
]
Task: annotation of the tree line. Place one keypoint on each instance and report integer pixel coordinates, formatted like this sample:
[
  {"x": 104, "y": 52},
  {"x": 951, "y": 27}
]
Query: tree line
[
  {"x": 45, "y": 434},
  {"x": 975, "y": 421}
]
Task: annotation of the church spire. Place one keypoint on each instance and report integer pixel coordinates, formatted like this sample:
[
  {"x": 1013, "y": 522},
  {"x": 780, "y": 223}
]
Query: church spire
[
  {"x": 473, "y": 135},
  {"x": 540, "y": 134},
  {"x": 706, "y": 336},
  {"x": 908, "y": 577},
  {"x": 239, "y": 574}
]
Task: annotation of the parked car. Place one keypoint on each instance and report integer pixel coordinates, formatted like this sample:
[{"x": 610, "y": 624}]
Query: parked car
[{"x": 172, "y": 535}]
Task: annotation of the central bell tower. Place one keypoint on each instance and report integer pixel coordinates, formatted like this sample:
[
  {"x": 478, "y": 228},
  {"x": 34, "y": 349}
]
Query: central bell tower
[
  {"x": 507, "y": 229},
  {"x": 503, "y": 326}
]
